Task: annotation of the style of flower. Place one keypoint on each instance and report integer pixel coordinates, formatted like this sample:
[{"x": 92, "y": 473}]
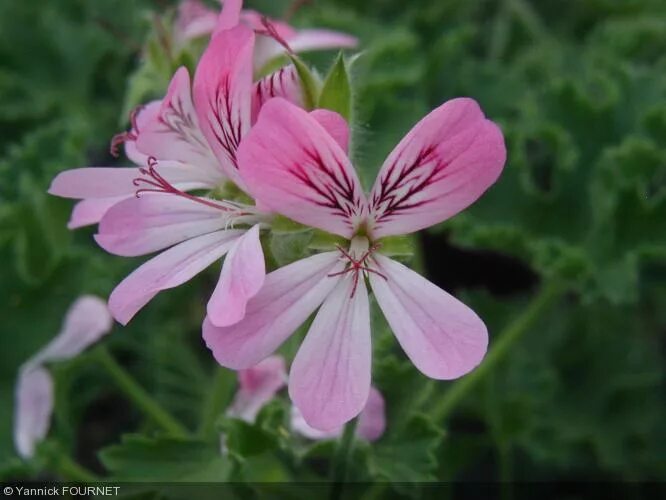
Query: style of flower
[
  {"x": 86, "y": 322},
  {"x": 188, "y": 141},
  {"x": 298, "y": 169},
  {"x": 261, "y": 383},
  {"x": 196, "y": 20}
]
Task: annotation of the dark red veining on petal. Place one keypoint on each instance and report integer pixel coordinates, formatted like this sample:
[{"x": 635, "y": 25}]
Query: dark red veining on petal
[
  {"x": 270, "y": 31},
  {"x": 358, "y": 266},
  {"x": 226, "y": 133},
  {"x": 333, "y": 187},
  {"x": 159, "y": 184},
  {"x": 275, "y": 85},
  {"x": 177, "y": 118},
  {"x": 399, "y": 184},
  {"x": 129, "y": 135}
]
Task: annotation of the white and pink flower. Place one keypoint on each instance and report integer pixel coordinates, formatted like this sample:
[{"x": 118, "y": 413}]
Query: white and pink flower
[
  {"x": 295, "y": 167},
  {"x": 86, "y": 322}
]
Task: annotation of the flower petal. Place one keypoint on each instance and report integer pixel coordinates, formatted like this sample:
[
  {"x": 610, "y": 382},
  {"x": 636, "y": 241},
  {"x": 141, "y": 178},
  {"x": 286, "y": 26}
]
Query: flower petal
[
  {"x": 282, "y": 83},
  {"x": 294, "y": 167},
  {"x": 300, "y": 426},
  {"x": 229, "y": 16},
  {"x": 330, "y": 376},
  {"x": 223, "y": 94},
  {"x": 258, "y": 385},
  {"x": 321, "y": 39},
  {"x": 32, "y": 413},
  {"x": 288, "y": 297},
  {"x": 137, "y": 226},
  {"x": 106, "y": 182},
  {"x": 87, "y": 321},
  {"x": 194, "y": 20},
  {"x": 169, "y": 269},
  {"x": 242, "y": 276},
  {"x": 442, "y": 336},
  {"x": 335, "y": 125},
  {"x": 174, "y": 133},
  {"x": 91, "y": 211},
  {"x": 372, "y": 421},
  {"x": 439, "y": 168}
]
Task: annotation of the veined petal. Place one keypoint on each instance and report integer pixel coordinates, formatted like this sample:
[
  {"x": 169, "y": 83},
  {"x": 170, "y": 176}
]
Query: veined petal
[
  {"x": 294, "y": 166},
  {"x": 258, "y": 385},
  {"x": 91, "y": 211},
  {"x": 335, "y": 125},
  {"x": 439, "y": 168},
  {"x": 137, "y": 226},
  {"x": 329, "y": 380},
  {"x": 443, "y": 337},
  {"x": 289, "y": 295},
  {"x": 107, "y": 182},
  {"x": 223, "y": 94},
  {"x": 242, "y": 276},
  {"x": 32, "y": 413},
  {"x": 283, "y": 83},
  {"x": 169, "y": 269},
  {"x": 174, "y": 133},
  {"x": 87, "y": 321}
]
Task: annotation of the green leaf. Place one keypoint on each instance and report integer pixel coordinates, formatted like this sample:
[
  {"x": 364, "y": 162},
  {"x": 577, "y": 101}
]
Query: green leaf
[
  {"x": 163, "y": 459},
  {"x": 309, "y": 82},
  {"x": 411, "y": 456},
  {"x": 336, "y": 92}
]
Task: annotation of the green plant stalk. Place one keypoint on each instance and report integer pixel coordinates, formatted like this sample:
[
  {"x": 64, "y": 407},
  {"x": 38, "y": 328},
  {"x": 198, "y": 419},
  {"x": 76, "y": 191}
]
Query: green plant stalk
[
  {"x": 215, "y": 403},
  {"x": 341, "y": 459},
  {"x": 139, "y": 396},
  {"x": 63, "y": 465},
  {"x": 548, "y": 295}
]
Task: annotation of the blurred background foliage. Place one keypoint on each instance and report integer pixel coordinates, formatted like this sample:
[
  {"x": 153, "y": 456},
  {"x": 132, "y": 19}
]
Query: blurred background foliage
[{"x": 579, "y": 88}]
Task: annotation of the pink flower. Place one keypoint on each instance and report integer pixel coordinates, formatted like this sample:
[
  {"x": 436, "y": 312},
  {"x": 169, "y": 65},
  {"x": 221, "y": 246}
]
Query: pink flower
[
  {"x": 189, "y": 141},
  {"x": 261, "y": 383},
  {"x": 87, "y": 321},
  {"x": 195, "y": 20},
  {"x": 296, "y": 168}
]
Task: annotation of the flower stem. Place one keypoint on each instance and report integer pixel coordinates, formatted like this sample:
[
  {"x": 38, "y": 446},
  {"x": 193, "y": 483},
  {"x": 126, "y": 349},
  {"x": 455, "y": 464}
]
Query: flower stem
[
  {"x": 341, "y": 459},
  {"x": 66, "y": 467},
  {"x": 548, "y": 295},
  {"x": 218, "y": 397},
  {"x": 138, "y": 395}
]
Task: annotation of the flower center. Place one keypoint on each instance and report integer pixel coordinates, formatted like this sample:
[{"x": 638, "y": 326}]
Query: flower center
[{"x": 358, "y": 260}]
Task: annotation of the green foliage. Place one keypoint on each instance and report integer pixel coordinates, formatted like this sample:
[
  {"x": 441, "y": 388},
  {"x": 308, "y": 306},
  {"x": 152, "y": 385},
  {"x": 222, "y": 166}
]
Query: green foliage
[{"x": 578, "y": 88}]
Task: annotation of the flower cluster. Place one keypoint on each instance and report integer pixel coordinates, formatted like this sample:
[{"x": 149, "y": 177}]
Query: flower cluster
[{"x": 225, "y": 154}]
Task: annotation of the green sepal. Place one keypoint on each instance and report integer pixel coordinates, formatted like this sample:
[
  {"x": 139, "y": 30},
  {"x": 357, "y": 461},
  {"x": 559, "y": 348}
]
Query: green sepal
[
  {"x": 336, "y": 89},
  {"x": 309, "y": 82}
]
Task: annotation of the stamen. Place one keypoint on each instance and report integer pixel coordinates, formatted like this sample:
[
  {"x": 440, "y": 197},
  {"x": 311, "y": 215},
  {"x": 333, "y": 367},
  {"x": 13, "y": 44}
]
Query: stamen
[
  {"x": 270, "y": 31},
  {"x": 160, "y": 185},
  {"x": 357, "y": 266},
  {"x": 130, "y": 135}
]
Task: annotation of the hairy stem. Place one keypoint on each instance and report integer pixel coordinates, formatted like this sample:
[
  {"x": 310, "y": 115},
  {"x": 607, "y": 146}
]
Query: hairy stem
[{"x": 139, "y": 395}]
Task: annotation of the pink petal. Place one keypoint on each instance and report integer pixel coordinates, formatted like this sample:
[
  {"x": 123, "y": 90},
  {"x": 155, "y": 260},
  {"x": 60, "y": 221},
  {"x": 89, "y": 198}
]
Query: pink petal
[
  {"x": 223, "y": 94},
  {"x": 174, "y": 133},
  {"x": 442, "y": 336},
  {"x": 107, "y": 182},
  {"x": 194, "y": 20},
  {"x": 296, "y": 168},
  {"x": 321, "y": 39},
  {"x": 230, "y": 15},
  {"x": 440, "y": 167},
  {"x": 335, "y": 125},
  {"x": 372, "y": 420},
  {"x": 137, "y": 226},
  {"x": 86, "y": 322},
  {"x": 254, "y": 20},
  {"x": 32, "y": 413},
  {"x": 284, "y": 82},
  {"x": 169, "y": 269},
  {"x": 288, "y": 297},
  {"x": 242, "y": 276},
  {"x": 300, "y": 426},
  {"x": 91, "y": 211},
  {"x": 330, "y": 376},
  {"x": 258, "y": 385}
]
